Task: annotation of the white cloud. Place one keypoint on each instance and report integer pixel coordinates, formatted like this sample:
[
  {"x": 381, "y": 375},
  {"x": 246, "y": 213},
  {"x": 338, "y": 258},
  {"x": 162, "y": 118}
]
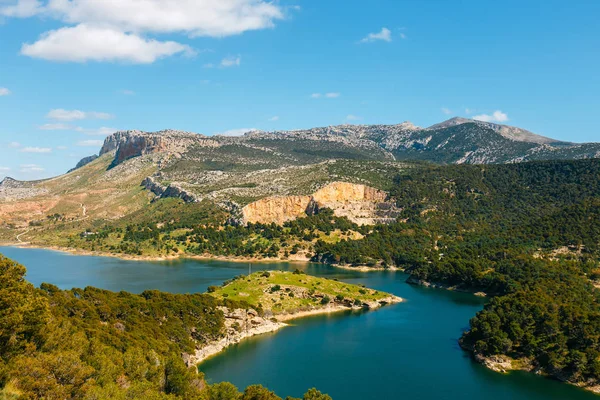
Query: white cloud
[
  {"x": 73, "y": 115},
  {"x": 236, "y": 132},
  {"x": 83, "y": 43},
  {"x": 127, "y": 92},
  {"x": 274, "y": 118},
  {"x": 28, "y": 168},
  {"x": 90, "y": 143},
  {"x": 351, "y": 117},
  {"x": 402, "y": 36},
  {"x": 56, "y": 127},
  {"x": 497, "y": 116},
  {"x": 102, "y": 131},
  {"x": 469, "y": 111},
  {"x": 22, "y": 9},
  {"x": 4, "y": 169},
  {"x": 61, "y": 147},
  {"x": 116, "y": 30},
  {"x": 231, "y": 62},
  {"x": 4, "y": 91},
  {"x": 216, "y": 18},
  {"x": 14, "y": 145},
  {"x": 446, "y": 111},
  {"x": 39, "y": 150},
  {"x": 385, "y": 34},
  {"x": 331, "y": 95}
]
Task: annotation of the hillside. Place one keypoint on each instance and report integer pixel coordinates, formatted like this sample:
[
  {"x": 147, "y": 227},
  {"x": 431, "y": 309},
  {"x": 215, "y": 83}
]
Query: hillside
[
  {"x": 260, "y": 177},
  {"x": 129, "y": 346}
]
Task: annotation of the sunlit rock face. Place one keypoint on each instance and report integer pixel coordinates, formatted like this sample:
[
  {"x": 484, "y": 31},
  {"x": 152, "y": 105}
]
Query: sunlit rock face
[{"x": 361, "y": 204}]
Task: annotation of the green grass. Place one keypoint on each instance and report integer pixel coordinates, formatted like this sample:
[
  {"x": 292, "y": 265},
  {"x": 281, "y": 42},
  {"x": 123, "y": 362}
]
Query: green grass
[{"x": 290, "y": 292}]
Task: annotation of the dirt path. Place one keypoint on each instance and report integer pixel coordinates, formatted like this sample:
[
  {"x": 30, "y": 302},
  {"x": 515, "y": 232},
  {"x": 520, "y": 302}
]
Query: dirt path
[{"x": 21, "y": 234}]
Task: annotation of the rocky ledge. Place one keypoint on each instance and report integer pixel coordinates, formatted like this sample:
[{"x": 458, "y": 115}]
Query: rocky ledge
[{"x": 361, "y": 204}]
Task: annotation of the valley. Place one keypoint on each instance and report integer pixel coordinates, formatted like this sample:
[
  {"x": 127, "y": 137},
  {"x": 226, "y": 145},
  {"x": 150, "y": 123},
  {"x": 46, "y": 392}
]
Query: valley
[{"x": 464, "y": 205}]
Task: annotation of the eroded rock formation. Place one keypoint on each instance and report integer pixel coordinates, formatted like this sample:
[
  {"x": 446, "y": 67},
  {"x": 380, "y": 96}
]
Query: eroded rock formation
[
  {"x": 361, "y": 204},
  {"x": 130, "y": 144}
]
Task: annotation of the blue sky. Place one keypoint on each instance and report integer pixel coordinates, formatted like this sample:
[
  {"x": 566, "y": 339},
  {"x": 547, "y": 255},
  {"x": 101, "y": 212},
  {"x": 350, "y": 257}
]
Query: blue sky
[{"x": 72, "y": 71}]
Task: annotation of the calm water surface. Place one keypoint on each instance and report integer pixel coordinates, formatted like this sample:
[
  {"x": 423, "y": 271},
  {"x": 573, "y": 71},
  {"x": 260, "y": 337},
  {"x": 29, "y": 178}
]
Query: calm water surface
[{"x": 404, "y": 351}]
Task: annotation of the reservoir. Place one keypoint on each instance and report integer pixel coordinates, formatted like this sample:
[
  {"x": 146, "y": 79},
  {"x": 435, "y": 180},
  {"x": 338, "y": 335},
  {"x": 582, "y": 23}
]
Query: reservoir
[{"x": 404, "y": 351}]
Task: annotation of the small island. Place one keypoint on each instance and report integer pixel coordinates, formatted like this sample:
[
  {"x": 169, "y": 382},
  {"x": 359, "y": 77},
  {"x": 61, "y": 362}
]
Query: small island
[{"x": 278, "y": 296}]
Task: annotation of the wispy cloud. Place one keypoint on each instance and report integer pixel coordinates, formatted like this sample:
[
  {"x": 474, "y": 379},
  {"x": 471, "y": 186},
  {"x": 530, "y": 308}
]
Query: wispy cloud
[
  {"x": 60, "y": 114},
  {"x": 446, "y": 111},
  {"x": 14, "y": 145},
  {"x": 330, "y": 95},
  {"x": 127, "y": 92},
  {"x": 102, "y": 131},
  {"x": 496, "y": 116},
  {"x": 232, "y": 61},
  {"x": 385, "y": 35},
  {"x": 352, "y": 117},
  {"x": 61, "y": 147},
  {"x": 4, "y": 169},
  {"x": 56, "y": 127},
  {"x": 39, "y": 150},
  {"x": 90, "y": 143},
  {"x": 469, "y": 111},
  {"x": 29, "y": 168},
  {"x": 274, "y": 118},
  {"x": 4, "y": 91}
]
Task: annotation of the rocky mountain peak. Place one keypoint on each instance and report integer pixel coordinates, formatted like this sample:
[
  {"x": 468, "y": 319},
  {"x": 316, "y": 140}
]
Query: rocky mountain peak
[{"x": 509, "y": 132}]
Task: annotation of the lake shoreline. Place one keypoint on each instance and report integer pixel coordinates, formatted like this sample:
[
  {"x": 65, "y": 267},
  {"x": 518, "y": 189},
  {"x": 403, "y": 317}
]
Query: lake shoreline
[
  {"x": 185, "y": 256},
  {"x": 263, "y": 326}
]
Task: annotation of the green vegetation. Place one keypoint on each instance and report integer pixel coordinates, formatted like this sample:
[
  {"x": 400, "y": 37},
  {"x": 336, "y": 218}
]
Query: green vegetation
[
  {"x": 527, "y": 233},
  {"x": 94, "y": 344},
  {"x": 170, "y": 227},
  {"x": 278, "y": 292}
]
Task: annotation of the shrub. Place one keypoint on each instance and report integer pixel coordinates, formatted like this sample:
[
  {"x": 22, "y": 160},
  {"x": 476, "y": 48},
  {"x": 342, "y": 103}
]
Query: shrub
[
  {"x": 325, "y": 300},
  {"x": 275, "y": 288},
  {"x": 212, "y": 289}
]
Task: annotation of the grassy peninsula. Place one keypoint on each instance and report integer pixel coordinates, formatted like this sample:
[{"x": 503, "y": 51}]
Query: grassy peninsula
[{"x": 129, "y": 346}]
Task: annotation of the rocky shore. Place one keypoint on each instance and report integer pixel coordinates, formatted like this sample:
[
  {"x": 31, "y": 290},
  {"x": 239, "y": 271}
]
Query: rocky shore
[{"x": 241, "y": 324}]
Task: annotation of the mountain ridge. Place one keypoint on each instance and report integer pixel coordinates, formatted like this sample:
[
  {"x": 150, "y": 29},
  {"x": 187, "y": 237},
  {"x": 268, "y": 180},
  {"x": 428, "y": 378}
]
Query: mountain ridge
[{"x": 455, "y": 141}]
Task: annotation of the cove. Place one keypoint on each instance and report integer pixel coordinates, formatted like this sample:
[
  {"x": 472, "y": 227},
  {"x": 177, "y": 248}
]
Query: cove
[{"x": 408, "y": 350}]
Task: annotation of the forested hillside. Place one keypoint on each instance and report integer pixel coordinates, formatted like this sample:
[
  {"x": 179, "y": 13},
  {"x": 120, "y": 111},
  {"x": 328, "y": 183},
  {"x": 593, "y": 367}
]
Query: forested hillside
[
  {"x": 120, "y": 345},
  {"x": 526, "y": 233}
]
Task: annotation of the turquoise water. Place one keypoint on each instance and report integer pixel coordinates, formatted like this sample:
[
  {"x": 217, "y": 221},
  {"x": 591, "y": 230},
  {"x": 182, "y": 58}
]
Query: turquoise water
[{"x": 404, "y": 351}]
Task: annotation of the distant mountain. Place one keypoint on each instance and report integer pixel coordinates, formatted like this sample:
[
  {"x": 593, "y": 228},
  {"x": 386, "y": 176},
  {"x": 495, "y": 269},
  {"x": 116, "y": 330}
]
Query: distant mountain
[
  {"x": 456, "y": 141},
  {"x": 232, "y": 172}
]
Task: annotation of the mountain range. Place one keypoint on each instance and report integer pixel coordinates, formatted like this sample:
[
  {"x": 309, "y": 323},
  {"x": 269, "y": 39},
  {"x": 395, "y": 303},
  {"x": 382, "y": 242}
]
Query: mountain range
[{"x": 135, "y": 167}]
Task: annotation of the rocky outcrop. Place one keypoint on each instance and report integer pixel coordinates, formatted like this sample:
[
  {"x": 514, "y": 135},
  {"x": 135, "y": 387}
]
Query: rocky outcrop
[
  {"x": 128, "y": 144},
  {"x": 83, "y": 162},
  {"x": 12, "y": 189},
  {"x": 239, "y": 325},
  {"x": 361, "y": 204},
  {"x": 277, "y": 209},
  {"x": 173, "y": 190}
]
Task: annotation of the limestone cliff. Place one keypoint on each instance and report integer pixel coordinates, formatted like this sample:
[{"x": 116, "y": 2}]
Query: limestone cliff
[
  {"x": 277, "y": 209},
  {"x": 361, "y": 204},
  {"x": 129, "y": 144}
]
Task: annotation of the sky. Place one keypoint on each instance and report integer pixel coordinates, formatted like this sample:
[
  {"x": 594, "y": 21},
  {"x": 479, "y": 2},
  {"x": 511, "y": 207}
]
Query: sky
[{"x": 74, "y": 71}]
